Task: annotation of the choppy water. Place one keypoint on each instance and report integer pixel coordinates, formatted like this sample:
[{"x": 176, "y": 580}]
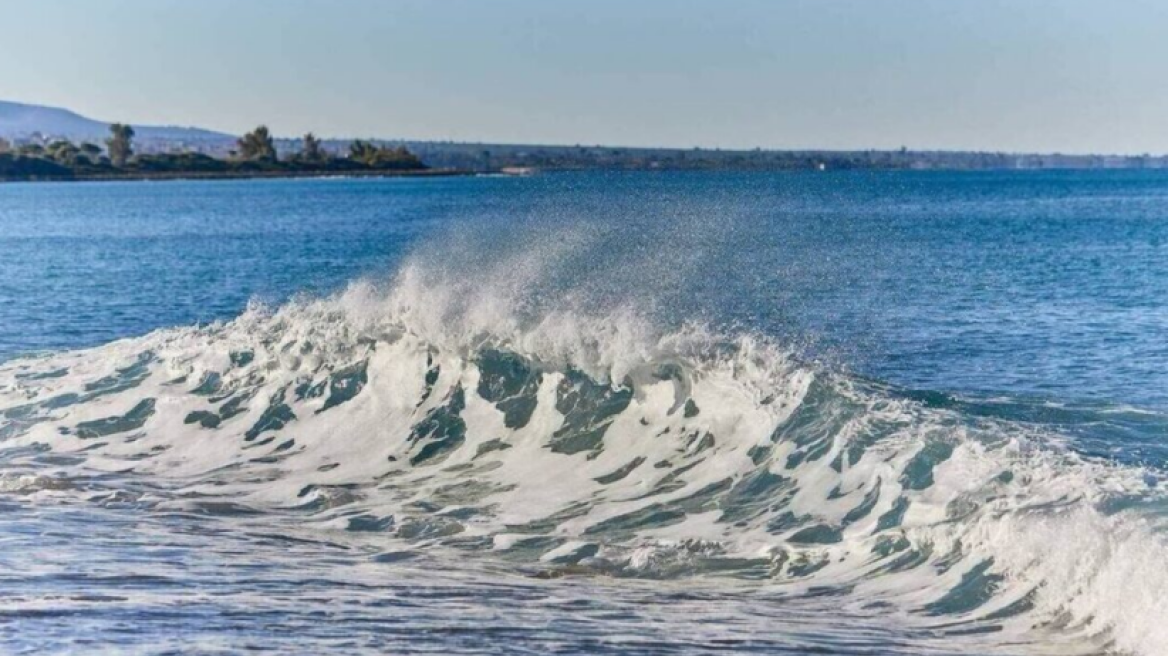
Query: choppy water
[{"x": 909, "y": 413}]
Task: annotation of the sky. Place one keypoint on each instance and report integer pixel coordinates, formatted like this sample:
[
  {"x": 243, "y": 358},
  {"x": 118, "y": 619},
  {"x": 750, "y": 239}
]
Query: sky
[{"x": 1065, "y": 76}]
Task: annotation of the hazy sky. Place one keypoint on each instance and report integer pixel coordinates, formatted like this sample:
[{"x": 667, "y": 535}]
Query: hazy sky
[{"x": 1033, "y": 75}]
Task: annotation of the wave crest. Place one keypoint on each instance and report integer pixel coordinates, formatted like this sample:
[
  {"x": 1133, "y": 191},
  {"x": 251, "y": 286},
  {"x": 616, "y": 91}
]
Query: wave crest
[{"x": 571, "y": 439}]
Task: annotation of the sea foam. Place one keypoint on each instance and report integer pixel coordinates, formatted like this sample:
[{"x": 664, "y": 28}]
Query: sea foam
[{"x": 566, "y": 434}]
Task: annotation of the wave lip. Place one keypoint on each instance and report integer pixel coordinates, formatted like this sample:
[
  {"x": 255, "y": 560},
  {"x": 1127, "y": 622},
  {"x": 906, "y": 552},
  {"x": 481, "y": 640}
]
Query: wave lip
[{"x": 568, "y": 441}]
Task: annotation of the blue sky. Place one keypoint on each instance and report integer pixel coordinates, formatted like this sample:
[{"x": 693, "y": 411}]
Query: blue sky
[{"x": 1032, "y": 75}]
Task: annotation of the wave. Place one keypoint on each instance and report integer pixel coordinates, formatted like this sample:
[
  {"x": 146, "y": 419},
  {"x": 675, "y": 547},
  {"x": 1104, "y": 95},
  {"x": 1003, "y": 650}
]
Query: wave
[{"x": 574, "y": 438}]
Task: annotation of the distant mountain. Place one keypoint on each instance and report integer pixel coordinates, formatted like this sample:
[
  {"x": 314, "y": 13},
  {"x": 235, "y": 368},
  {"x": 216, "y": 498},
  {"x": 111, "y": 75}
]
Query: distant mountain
[{"x": 21, "y": 120}]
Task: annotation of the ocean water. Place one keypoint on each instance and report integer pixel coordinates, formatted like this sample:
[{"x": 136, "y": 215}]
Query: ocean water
[{"x": 582, "y": 413}]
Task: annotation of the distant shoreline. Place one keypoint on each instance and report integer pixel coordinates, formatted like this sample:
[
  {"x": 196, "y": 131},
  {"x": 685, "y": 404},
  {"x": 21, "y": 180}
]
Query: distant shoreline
[
  {"x": 174, "y": 176},
  {"x": 238, "y": 175}
]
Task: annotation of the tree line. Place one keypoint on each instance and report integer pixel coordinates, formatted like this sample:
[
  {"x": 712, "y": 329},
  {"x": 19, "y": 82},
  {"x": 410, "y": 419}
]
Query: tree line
[{"x": 255, "y": 152}]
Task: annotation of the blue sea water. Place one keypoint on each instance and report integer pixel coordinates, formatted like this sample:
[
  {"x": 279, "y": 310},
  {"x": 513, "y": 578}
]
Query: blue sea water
[
  {"x": 850, "y": 412},
  {"x": 1041, "y": 283}
]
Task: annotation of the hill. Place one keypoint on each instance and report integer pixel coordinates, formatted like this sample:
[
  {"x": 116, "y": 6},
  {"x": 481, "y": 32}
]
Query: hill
[{"x": 21, "y": 120}]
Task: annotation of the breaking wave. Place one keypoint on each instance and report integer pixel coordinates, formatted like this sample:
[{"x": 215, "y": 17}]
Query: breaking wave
[{"x": 573, "y": 437}]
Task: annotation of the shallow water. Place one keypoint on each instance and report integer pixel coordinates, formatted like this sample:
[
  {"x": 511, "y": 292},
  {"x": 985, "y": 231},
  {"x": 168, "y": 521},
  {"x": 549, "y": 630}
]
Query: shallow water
[
  {"x": 904, "y": 413},
  {"x": 109, "y": 580}
]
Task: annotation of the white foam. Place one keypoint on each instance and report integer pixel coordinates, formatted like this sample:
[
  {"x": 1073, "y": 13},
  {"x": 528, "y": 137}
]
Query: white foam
[{"x": 1044, "y": 526}]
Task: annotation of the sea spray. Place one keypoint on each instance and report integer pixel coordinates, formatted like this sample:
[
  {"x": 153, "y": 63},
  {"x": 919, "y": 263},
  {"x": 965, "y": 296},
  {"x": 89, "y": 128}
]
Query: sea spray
[{"x": 564, "y": 436}]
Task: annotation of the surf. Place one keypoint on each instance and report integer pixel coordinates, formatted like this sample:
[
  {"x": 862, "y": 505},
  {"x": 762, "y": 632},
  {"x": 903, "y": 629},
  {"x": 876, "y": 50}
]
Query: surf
[{"x": 573, "y": 438}]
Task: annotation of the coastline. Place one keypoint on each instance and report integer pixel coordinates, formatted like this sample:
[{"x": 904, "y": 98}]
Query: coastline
[{"x": 239, "y": 175}]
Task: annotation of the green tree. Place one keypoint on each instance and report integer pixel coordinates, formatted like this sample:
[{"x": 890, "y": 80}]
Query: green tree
[
  {"x": 120, "y": 144},
  {"x": 257, "y": 145},
  {"x": 312, "y": 150},
  {"x": 64, "y": 153},
  {"x": 91, "y": 153},
  {"x": 363, "y": 151},
  {"x": 31, "y": 150},
  {"x": 383, "y": 157}
]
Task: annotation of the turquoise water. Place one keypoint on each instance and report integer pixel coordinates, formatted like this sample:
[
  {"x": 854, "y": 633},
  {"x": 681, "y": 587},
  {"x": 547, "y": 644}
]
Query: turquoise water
[{"x": 896, "y": 412}]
